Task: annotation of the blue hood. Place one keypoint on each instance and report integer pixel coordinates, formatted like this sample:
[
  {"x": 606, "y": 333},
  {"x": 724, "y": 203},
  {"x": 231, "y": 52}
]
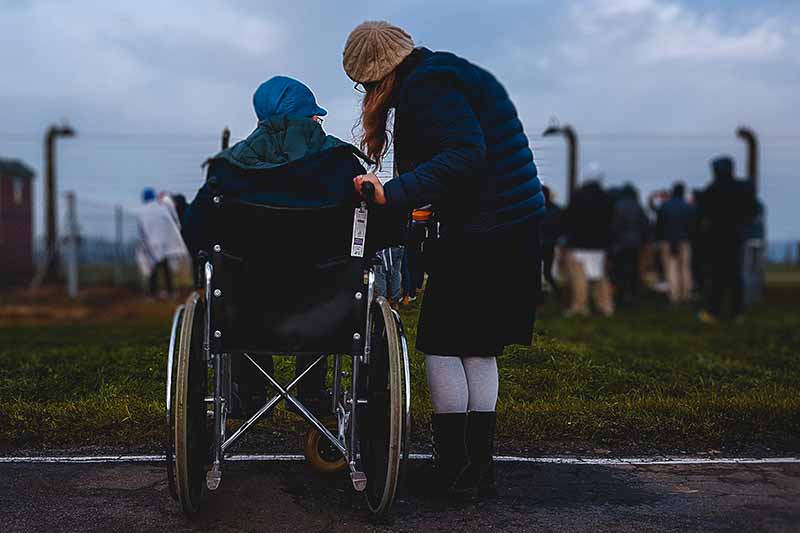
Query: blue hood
[{"x": 285, "y": 96}]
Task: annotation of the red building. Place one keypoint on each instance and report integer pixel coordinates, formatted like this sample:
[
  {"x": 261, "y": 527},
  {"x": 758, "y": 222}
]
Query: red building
[{"x": 16, "y": 222}]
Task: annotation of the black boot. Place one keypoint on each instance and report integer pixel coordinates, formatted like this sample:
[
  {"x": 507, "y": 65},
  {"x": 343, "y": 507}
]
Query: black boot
[
  {"x": 450, "y": 451},
  {"x": 480, "y": 449}
]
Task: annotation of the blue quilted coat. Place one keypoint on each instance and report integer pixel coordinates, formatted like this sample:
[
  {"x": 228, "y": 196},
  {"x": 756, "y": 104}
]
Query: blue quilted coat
[{"x": 459, "y": 145}]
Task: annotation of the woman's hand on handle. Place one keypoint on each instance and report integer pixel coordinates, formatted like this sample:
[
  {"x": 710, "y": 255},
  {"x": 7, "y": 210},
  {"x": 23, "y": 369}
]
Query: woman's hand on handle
[{"x": 358, "y": 182}]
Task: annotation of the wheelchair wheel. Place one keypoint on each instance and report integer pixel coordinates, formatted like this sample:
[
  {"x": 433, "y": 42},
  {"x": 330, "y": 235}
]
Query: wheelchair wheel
[
  {"x": 382, "y": 420},
  {"x": 321, "y": 454},
  {"x": 174, "y": 341},
  {"x": 192, "y": 428}
]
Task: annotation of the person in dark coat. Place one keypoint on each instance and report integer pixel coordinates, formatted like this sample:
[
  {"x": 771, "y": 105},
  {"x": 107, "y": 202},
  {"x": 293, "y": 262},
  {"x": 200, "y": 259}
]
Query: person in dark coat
[
  {"x": 458, "y": 144},
  {"x": 551, "y": 232},
  {"x": 629, "y": 228},
  {"x": 587, "y": 226},
  {"x": 724, "y": 210},
  {"x": 675, "y": 220}
]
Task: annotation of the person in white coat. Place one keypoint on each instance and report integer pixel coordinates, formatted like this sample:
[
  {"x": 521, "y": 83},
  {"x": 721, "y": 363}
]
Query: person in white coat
[{"x": 160, "y": 242}]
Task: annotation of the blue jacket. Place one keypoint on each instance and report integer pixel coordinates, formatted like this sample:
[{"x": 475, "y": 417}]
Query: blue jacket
[
  {"x": 675, "y": 220},
  {"x": 630, "y": 224},
  {"x": 460, "y": 145}
]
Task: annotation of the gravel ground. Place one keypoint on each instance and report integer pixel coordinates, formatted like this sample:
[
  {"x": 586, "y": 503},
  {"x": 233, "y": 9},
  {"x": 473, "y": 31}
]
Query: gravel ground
[{"x": 289, "y": 497}]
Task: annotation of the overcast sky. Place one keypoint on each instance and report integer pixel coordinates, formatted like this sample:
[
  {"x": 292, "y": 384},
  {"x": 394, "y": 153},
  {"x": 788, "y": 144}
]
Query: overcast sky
[{"x": 655, "y": 88}]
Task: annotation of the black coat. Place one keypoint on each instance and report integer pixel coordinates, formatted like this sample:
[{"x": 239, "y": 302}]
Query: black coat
[
  {"x": 726, "y": 207},
  {"x": 589, "y": 218}
]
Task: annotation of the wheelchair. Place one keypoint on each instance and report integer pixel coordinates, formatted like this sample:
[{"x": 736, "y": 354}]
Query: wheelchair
[{"x": 294, "y": 289}]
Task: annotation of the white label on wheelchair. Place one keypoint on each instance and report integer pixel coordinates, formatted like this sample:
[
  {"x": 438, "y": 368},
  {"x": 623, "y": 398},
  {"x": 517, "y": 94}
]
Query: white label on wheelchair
[{"x": 359, "y": 232}]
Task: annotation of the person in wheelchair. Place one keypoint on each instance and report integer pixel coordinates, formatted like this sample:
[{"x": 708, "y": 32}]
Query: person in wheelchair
[
  {"x": 289, "y": 142},
  {"x": 284, "y": 252}
]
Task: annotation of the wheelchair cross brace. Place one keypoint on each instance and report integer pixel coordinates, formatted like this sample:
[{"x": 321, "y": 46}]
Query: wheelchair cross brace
[
  {"x": 358, "y": 478},
  {"x": 283, "y": 393}
]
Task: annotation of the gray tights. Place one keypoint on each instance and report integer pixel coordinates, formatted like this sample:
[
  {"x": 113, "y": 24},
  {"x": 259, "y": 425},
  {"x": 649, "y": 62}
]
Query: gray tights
[{"x": 461, "y": 384}]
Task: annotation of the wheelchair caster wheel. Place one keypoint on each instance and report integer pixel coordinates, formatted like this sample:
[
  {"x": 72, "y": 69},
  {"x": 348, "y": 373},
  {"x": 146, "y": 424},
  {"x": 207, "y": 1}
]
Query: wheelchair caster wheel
[{"x": 321, "y": 454}]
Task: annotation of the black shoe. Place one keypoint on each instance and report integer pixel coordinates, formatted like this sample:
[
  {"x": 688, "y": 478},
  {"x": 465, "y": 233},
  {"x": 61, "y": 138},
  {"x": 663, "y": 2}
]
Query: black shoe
[
  {"x": 480, "y": 448},
  {"x": 450, "y": 454}
]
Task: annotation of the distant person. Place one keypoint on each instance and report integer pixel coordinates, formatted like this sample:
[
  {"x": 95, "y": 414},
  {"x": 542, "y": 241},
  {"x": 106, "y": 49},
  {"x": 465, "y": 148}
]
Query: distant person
[
  {"x": 389, "y": 274},
  {"x": 699, "y": 245},
  {"x": 180, "y": 206},
  {"x": 675, "y": 219},
  {"x": 629, "y": 229},
  {"x": 551, "y": 231},
  {"x": 168, "y": 200},
  {"x": 724, "y": 210},
  {"x": 588, "y": 236},
  {"x": 755, "y": 238},
  {"x": 160, "y": 241}
]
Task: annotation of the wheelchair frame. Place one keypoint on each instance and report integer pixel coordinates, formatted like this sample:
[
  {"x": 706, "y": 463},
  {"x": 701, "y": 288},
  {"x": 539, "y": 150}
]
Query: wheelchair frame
[{"x": 346, "y": 404}]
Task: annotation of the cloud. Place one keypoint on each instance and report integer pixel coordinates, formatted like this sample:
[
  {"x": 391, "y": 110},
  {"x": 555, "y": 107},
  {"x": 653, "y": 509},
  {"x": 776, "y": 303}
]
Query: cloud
[
  {"x": 658, "y": 31},
  {"x": 130, "y": 63}
]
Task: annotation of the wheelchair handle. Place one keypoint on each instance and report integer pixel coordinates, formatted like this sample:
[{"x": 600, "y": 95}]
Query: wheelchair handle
[{"x": 368, "y": 192}]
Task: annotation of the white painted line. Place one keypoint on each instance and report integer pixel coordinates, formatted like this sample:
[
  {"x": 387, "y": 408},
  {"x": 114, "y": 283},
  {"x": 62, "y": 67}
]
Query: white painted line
[
  {"x": 85, "y": 459},
  {"x": 647, "y": 460},
  {"x": 598, "y": 461}
]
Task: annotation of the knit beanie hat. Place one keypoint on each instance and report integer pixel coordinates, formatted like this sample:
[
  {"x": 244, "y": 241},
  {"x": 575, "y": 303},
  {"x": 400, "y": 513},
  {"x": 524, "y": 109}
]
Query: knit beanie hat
[{"x": 374, "y": 49}]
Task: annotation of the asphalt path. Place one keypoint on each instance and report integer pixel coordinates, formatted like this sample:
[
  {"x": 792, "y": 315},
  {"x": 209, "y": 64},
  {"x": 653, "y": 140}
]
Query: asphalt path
[{"x": 287, "y": 496}]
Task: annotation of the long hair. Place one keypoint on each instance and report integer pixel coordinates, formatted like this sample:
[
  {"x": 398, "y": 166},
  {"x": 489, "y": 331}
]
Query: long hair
[{"x": 375, "y": 111}]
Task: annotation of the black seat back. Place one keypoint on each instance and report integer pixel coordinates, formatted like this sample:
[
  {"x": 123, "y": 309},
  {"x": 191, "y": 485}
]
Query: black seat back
[{"x": 287, "y": 279}]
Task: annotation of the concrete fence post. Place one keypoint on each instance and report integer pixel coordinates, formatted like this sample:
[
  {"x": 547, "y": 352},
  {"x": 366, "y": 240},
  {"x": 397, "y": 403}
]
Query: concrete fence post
[
  {"x": 118, "y": 256},
  {"x": 71, "y": 244}
]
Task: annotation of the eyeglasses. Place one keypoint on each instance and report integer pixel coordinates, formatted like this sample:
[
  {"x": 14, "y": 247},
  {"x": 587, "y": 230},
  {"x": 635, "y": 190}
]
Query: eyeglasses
[{"x": 365, "y": 87}]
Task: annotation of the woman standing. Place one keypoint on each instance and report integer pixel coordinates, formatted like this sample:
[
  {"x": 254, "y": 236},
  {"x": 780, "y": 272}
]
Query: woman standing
[{"x": 458, "y": 144}]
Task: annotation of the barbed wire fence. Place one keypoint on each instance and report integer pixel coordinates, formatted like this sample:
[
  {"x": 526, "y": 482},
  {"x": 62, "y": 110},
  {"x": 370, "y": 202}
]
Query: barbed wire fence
[
  {"x": 98, "y": 243},
  {"x": 108, "y": 231}
]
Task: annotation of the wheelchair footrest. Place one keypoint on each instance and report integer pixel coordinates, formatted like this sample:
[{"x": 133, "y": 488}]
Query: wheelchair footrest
[
  {"x": 213, "y": 477},
  {"x": 359, "y": 480}
]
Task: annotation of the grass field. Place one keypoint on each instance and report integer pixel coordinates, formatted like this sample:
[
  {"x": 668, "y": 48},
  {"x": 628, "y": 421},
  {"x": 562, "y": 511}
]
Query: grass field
[{"x": 651, "y": 379}]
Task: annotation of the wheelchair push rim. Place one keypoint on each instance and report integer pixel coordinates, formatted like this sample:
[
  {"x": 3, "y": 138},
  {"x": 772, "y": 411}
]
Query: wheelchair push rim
[
  {"x": 191, "y": 434},
  {"x": 170, "y": 395},
  {"x": 383, "y": 417}
]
